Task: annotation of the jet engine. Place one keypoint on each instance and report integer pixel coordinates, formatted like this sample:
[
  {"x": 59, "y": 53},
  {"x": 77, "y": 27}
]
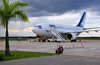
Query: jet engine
[{"x": 72, "y": 35}]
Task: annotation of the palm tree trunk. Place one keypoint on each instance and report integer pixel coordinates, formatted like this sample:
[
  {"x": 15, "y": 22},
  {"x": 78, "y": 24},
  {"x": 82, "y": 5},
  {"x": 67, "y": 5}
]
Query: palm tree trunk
[{"x": 7, "y": 48}]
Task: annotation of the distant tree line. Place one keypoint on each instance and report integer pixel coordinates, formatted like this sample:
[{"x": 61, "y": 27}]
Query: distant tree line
[
  {"x": 19, "y": 37},
  {"x": 32, "y": 37}
]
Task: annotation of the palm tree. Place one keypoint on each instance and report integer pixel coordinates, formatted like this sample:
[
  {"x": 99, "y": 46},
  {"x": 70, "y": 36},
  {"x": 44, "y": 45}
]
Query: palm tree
[{"x": 11, "y": 10}]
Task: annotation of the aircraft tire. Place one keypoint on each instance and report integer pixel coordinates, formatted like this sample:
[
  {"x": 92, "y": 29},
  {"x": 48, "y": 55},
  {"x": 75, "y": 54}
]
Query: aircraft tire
[
  {"x": 48, "y": 41},
  {"x": 55, "y": 40},
  {"x": 62, "y": 49},
  {"x": 73, "y": 40},
  {"x": 58, "y": 51}
]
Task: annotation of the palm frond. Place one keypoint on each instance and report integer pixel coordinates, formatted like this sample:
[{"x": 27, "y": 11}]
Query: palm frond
[
  {"x": 21, "y": 15},
  {"x": 5, "y": 3},
  {"x": 5, "y": 7},
  {"x": 2, "y": 18},
  {"x": 2, "y": 13},
  {"x": 12, "y": 10},
  {"x": 3, "y": 21},
  {"x": 17, "y": 5}
]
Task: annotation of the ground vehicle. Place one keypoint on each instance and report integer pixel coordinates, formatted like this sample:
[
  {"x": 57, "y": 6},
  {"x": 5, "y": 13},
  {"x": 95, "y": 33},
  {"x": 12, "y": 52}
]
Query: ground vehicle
[
  {"x": 55, "y": 40},
  {"x": 32, "y": 40}
]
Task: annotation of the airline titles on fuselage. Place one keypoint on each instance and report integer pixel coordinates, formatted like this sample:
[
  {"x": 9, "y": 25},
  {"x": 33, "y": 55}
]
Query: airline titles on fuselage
[{"x": 57, "y": 27}]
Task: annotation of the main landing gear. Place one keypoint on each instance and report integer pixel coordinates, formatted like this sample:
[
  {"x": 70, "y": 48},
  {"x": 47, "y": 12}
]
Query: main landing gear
[
  {"x": 73, "y": 40},
  {"x": 59, "y": 49}
]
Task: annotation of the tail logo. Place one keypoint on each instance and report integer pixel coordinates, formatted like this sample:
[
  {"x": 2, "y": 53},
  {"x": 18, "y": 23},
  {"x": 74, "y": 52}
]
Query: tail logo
[{"x": 82, "y": 21}]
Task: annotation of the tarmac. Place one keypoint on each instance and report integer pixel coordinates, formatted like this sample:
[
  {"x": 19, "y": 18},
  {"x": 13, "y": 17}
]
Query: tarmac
[{"x": 86, "y": 52}]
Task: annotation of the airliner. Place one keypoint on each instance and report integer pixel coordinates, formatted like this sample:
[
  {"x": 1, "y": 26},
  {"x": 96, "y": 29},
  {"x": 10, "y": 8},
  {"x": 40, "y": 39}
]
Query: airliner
[{"x": 69, "y": 32}]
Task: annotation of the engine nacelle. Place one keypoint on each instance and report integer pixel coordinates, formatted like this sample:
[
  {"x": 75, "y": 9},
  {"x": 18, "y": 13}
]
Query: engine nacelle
[{"x": 72, "y": 35}]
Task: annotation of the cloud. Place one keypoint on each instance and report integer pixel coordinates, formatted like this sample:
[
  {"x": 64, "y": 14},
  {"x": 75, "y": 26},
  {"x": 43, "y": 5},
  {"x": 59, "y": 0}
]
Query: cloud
[
  {"x": 57, "y": 7},
  {"x": 32, "y": 19},
  {"x": 90, "y": 34},
  {"x": 67, "y": 12},
  {"x": 1, "y": 30},
  {"x": 69, "y": 18},
  {"x": 64, "y": 16},
  {"x": 11, "y": 31},
  {"x": 28, "y": 29}
]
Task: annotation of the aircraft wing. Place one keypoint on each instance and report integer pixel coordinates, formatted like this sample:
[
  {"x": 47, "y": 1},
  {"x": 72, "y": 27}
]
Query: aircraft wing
[
  {"x": 91, "y": 28},
  {"x": 87, "y": 31}
]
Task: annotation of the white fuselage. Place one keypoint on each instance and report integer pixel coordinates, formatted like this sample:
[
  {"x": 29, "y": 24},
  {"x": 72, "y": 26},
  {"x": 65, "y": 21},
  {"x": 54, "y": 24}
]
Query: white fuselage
[{"x": 42, "y": 29}]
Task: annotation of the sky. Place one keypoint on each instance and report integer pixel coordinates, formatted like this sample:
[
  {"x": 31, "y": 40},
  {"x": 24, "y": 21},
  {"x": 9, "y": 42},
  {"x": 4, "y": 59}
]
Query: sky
[{"x": 67, "y": 12}]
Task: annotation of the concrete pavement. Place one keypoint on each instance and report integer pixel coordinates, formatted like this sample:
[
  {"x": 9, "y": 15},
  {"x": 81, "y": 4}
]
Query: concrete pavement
[{"x": 77, "y": 55}]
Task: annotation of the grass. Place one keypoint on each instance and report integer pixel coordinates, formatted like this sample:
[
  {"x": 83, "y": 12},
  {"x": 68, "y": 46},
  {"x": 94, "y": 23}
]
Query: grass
[
  {"x": 90, "y": 39},
  {"x": 85, "y": 39},
  {"x": 21, "y": 55},
  {"x": 15, "y": 39}
]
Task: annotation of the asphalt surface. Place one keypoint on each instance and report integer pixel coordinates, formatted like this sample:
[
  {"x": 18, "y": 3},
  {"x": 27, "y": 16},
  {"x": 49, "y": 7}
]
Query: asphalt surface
[
  {"x": 55, "y": 60},
  {"x": 82, "y": 53}
]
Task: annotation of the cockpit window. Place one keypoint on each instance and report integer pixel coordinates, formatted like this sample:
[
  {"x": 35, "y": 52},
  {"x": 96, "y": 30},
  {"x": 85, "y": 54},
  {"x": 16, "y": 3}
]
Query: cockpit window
[
  {"x": 40, "y": 27},
  {"x": 37, "y": 26}
]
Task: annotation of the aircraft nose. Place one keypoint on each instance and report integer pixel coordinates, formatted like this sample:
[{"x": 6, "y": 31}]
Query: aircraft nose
[{"x": 34, "y": 30}]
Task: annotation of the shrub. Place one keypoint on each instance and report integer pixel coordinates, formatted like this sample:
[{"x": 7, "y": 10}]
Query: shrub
[{"x": 1, "y": 57}]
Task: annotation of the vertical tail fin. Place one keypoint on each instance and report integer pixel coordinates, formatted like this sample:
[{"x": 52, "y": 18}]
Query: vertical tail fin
[{"x": 82, "y": 21}]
